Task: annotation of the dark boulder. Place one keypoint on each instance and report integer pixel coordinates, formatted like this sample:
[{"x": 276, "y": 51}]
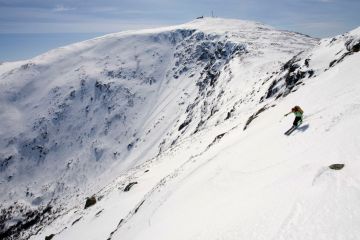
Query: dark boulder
[
  {"x": 49, "y": 237},
  {"x": 90, "y": 202},
  {"x": 356, "y": 47},
  {"x": 336, "y": 166},
  {"x": 353, "y": 45}
]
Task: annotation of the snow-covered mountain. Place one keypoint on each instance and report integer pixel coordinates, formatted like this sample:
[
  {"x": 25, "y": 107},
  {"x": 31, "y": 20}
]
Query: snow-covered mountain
[{"x": 178, "y": 134}]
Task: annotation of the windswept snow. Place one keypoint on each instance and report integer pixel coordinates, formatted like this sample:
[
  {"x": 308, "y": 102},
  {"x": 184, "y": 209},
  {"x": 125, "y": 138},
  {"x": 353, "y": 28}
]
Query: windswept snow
[{"x": 167, "y": 108}]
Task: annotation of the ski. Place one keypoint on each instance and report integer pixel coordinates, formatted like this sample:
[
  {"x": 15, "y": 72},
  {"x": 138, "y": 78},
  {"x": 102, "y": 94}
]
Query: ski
[
  {"x": 288, "y": 132},
  {"x": 293, "y": 128}
]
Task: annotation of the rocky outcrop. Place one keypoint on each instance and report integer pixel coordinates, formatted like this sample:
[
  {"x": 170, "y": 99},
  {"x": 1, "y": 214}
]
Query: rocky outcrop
[
  {"x": 129, "y": 186},
  {"x": 336, "y": 166},
  {"x": 90, "y": 202},
  {"x": 26, "y": 219}
]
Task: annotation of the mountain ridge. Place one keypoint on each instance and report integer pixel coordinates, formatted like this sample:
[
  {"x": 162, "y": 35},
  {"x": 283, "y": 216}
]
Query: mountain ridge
[{"x": 127, "y": 101}]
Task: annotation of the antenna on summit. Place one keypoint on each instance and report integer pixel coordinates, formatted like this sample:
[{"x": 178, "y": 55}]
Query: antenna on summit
[{"x": 212, "y": 13}]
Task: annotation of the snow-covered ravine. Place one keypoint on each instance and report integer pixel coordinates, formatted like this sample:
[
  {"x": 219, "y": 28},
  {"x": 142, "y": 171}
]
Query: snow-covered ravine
[{"x": 179, "y": 134}]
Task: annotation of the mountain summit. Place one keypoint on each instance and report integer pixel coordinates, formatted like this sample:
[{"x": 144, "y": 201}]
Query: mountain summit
[{"x": 177, "y": 133}]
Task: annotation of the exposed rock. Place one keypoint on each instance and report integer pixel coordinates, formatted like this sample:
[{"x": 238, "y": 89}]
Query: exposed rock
[
  {"x": 138, "y": 207},
  {"x": 292, "y": 73},
  {"x": 336, "y": 166},
  {"x": 90, "y": 202},
  {"x": 76, "y": 220},
  {"x": 332, "y": 63},
  {"x": 25, "y": 219},
  {"x": 184, "y": 124},
  {"x": 353, "y": 45},
  {"x": 4, "y": 163},
  {"x": 117, "y": 228},
  {"x": 49, "y": 237},
  {"x": 216, "y": 139},
  {"x": 229, "y": 114},
  {"x": 356, "y": 47},
  {"x": 130, "y": 146},
  {"x": 129, "y": 186},
  {"x": 255, "y": 115},
  {"x": 99, "y": 212}
]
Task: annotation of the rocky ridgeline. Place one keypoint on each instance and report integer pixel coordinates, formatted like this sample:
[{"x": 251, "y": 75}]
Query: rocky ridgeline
[{"x": 300, "y": 67}]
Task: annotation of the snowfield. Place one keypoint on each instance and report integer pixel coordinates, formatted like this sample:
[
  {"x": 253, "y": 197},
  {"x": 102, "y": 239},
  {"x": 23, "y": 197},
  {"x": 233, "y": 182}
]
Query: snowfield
[{"x": 178, "y": 132}]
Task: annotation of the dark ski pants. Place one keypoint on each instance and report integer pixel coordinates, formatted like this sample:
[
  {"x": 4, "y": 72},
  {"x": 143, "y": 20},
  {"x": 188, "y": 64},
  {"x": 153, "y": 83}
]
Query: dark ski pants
[{"x": 297, "y": 121}]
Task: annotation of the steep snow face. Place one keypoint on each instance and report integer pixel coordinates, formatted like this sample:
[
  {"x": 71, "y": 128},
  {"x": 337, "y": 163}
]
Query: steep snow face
[
  {"x": 228, "y": 181},
  {"x": 76, "y": 117}
]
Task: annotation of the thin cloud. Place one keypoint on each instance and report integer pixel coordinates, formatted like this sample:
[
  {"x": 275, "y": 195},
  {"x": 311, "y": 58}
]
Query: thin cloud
[{"x": 61, "y": 8}]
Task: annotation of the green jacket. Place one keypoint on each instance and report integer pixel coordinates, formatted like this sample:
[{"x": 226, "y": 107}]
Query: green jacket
[{"x": 298, "y": 114}]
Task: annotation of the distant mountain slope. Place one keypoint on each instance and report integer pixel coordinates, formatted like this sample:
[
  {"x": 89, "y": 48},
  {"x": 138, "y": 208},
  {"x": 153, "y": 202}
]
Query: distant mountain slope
[{"x": 167, "y": 100}]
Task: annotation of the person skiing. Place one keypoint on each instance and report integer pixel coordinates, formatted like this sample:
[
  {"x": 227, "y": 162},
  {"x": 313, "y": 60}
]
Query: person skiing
[{"x": 298, "y": 115}]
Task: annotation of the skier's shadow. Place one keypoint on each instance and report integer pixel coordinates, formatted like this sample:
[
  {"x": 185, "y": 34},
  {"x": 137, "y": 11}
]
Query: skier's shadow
[{"x": 303, "y": 128}]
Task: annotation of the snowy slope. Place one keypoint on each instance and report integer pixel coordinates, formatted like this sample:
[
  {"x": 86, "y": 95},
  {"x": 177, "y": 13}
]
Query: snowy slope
[
  {"x": 167, "y": 108},
  {"x": 253, "y": 184},
  {"x": 260, "y": 184}
]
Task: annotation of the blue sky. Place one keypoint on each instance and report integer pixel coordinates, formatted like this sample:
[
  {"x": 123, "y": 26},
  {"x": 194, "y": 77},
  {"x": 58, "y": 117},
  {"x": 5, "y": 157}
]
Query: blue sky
[{"x": 318, "y": 18}]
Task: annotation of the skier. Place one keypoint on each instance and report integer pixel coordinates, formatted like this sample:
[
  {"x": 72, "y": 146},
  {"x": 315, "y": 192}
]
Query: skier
[{"x": 298, "y": 116}]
